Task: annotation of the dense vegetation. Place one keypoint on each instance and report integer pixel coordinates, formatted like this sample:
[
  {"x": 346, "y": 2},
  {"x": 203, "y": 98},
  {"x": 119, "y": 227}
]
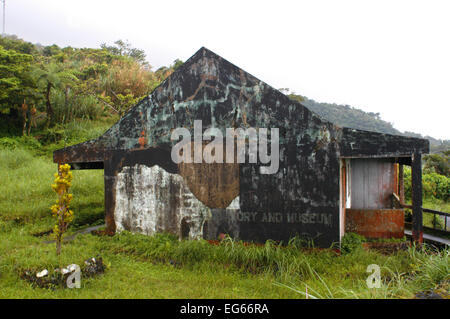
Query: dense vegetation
[{"x": 57, "y": 85}]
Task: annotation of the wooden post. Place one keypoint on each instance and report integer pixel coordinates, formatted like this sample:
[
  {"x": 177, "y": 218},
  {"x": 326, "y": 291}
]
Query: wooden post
[
  {"x": 416, "y": 181},
  {"x": 401, "y": 185},
  {"x": 343, "y": 196}
]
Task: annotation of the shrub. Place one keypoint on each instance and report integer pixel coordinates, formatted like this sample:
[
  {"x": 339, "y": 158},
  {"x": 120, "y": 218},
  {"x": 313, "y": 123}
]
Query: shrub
[
  {"x": 24, "y": 142},
  {"x": 351, "y": 242},
  {"x": 433, "y": 185},
  {"x": 7, "y": 143},
  {"x": 72, "y": 106},
  {"x": 61, "y": 210}
]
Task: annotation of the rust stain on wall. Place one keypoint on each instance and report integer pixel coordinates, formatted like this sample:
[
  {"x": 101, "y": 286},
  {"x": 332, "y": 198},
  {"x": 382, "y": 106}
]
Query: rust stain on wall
[
  {"x": 214, "y": 184},
  {"x": 375, "y": 223}
]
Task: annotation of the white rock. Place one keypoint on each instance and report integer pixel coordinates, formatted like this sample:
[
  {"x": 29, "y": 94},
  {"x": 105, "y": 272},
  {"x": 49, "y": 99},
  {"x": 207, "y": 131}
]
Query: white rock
[
  {"x": 65, "y": 271},
  {"x": 72, "y": 267},
  {"x": 42, "y": 273}
]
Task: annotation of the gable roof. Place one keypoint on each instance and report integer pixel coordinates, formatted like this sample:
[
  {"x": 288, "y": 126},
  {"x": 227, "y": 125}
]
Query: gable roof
[{"x": 210, "y": 88}]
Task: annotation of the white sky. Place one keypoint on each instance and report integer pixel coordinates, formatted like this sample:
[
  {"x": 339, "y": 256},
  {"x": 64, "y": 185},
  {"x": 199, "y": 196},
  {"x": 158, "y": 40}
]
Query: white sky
[{"x": 391, "y": 57}]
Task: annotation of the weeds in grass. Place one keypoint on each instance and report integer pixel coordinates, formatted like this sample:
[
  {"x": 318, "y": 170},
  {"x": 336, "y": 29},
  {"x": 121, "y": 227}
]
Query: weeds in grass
[
  {"x": 431, "y": 267},
  {"x": 313, "y": 268}
]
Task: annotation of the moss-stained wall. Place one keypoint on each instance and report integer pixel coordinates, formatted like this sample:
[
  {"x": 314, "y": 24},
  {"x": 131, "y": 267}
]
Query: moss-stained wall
[{"x": 302, "y": 198}]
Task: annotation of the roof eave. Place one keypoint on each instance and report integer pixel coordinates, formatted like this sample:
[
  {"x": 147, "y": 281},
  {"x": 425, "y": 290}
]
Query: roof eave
[{"x": 359, "y": 143}]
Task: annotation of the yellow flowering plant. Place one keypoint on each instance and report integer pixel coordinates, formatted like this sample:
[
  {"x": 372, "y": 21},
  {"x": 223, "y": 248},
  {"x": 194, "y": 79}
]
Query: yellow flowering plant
[{"x": 61, "y": 210}]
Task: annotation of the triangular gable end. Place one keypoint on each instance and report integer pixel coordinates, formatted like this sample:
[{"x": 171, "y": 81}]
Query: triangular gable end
[
  {"x": 206, "y": 87},
  {"x": 209, "y": 88}
]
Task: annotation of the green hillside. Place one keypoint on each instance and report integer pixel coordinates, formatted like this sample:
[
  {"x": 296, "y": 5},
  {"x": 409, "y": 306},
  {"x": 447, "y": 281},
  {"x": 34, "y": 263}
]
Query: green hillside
[{"x": 347, "y": 116}]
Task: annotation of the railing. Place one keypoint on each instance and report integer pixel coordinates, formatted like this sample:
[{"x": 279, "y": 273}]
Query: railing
[
  {"x": 398, "y": 203},
  {"x": 434, "y": 212}
]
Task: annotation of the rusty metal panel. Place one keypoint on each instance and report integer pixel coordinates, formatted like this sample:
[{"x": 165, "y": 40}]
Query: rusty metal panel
[
  {"x": 373, "y": 182},
  {"x": 375, "y": 223},
  {"x": 214, "y": 184}
]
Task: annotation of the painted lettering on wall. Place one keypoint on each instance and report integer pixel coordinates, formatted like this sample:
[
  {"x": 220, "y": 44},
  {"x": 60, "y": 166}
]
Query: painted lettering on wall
[{"x": 290, "y": 218}]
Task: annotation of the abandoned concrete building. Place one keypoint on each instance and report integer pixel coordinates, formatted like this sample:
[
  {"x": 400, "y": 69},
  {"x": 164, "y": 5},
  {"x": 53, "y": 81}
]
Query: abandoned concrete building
[{"x": 330, "y": 179}]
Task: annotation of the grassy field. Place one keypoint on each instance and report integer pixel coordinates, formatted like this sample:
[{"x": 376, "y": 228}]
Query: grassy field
[{"x": 161, "y": 266}]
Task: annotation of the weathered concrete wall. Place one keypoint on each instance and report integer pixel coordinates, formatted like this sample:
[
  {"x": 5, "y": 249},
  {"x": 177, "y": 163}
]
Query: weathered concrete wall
[
  {"x": 223, "y": 221},
  {"x": 302, "y": 198},
  {"x": 150, "y": 200}
]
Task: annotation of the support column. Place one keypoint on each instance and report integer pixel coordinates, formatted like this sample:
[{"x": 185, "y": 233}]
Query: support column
[
  {"x": 110, "y": 195},
  {"x": 416, "y": 181},
  {"x": 401, "y": 184}
]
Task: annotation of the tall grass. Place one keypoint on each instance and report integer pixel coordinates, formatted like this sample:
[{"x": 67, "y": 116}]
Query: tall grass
[
  {"x": 309, "y": 272},
  {"x": 428, "y": 269},
  {"x": 25, "y": 184},
  {"x": 73, "y": 106},
  {"x": 431, "y": 267},
  {"x": 25, "y": 191}
]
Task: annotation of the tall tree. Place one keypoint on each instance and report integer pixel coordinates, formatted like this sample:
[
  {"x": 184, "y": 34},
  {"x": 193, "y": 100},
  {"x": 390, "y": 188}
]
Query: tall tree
[
  {"x": 438, "y": 163},
  {"x": 14, "y": 78},
  {"x": 124, "y": 48},
  {"x": 52, "y": 76}
]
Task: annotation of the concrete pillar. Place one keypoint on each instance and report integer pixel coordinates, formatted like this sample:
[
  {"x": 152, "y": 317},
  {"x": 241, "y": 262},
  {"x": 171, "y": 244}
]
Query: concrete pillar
[{"x": 110, "y": 195}]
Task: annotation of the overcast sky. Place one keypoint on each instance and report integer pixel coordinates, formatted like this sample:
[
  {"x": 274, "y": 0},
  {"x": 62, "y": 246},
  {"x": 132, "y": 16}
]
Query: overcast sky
[{"x": 391, "y": 57}]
